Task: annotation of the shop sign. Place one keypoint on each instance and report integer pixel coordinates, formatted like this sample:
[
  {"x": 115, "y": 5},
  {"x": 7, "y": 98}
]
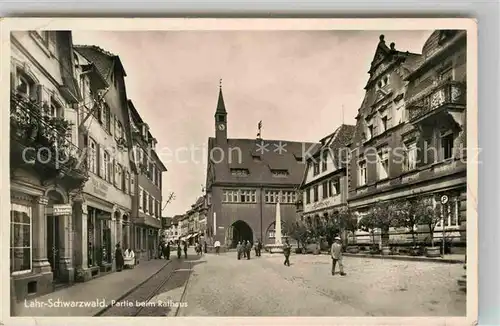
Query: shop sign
[
  {"x": 99, "y": 188},
  {"x": 61, "y": 209}
]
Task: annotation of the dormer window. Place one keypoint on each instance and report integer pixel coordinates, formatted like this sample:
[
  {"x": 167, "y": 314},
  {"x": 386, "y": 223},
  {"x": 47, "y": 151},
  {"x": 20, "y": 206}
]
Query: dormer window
[
  {"x": 239, "y": 172},
  {"x": 370, "y": 132},
  {"x": 298, "y": 158},
  {"x": 280, "y": 173},
  {"x": 256, "y": 158}
]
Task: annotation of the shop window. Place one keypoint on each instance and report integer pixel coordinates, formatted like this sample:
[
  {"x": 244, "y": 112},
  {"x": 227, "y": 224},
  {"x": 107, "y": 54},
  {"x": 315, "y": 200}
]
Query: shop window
[
  {"x": 90, "y": 235},
  {"x": 20, "y": 239}
]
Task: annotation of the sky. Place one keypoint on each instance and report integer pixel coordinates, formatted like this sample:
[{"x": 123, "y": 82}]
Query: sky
[{"x": 301, "y": 84}]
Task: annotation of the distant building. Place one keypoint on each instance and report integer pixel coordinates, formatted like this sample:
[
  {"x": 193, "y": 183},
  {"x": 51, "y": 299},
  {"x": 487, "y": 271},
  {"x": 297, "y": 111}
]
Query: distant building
[
  {"x": 410, "y": 130},
  {"x": 147, "y": 204},
  {"x": 245, "y": 180},
  {"x": 324, "y": 187}
]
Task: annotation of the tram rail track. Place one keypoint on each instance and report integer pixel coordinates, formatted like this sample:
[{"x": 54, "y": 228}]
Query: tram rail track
[{"x": 138, "y": 301}]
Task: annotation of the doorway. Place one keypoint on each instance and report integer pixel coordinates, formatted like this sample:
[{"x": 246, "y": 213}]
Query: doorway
[
  {"x": 54, "y": 235},
  {"x": 53, "y": 245},
  {"x": 241, "y": 231}
]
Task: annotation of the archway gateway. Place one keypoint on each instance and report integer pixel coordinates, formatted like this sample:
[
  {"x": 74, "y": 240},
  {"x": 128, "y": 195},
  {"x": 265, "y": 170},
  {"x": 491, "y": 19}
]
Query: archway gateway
[{"x": 241, "y": 231}]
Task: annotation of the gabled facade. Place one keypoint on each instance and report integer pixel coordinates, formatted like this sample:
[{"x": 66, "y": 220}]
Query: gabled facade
[
  {"x": 147, "y": 204},
  {"x": 324, "y": 188},
  {"x": 47, "y": 169},
  {"x": 245, "y": 180},
  {"x": 107, "y": 137},
  {"x": 410, "y": 129}
]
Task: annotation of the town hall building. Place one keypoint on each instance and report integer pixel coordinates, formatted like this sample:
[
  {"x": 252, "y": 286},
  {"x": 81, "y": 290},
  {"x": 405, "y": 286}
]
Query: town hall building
[{"x": 245, "y": 180}]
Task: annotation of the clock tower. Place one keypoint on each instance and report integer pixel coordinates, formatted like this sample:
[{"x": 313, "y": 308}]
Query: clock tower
[{"x": 220, "y": 120}]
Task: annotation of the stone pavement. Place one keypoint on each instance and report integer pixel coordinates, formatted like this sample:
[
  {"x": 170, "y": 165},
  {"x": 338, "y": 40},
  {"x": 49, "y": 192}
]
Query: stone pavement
[
  {"x": 262, "y": 286},
  {"x": 97, "y": 292}
]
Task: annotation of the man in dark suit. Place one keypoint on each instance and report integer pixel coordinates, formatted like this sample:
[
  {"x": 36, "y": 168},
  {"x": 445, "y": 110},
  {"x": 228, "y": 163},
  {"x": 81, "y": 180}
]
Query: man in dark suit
[{"x": 287, "y": 249}]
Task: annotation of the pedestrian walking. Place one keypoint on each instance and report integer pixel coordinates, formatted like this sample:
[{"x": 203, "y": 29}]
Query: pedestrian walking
[
  {"x": 120, "y": 261},
  {"x": 185, "y": 250},
  {"x": 256, "y": 248},
  {"x": 161, "y": 247},
  {"x": 248, "y": 248},
  {"x": 287, "y": 249},
  {"x": 217, "y": 247},
  {"x": 259, "y": 247},
  {"x": 239, "y": 250},
  {"x": 167, "y": 251},
  {"x": 336, "y": 252},
  {"x": 205, "y": 246},
  {"x": 179, "y": 250}
]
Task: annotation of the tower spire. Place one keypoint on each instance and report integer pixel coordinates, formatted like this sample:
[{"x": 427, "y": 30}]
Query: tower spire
[{"x": 221, "y": 107}]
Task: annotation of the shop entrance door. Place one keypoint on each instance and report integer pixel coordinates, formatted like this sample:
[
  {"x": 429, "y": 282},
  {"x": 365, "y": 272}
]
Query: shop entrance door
[{"x": 53, "y": 245}]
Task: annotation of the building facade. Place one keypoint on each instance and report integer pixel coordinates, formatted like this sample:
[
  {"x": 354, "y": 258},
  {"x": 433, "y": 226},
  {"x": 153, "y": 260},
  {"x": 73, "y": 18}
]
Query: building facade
[
  {"x": 47, "y": 169},
  {"x": 106, "y": 135},
  {"x": 410, "y": 130},
  {"x": 147, "y": 206},
  {"x": 245, "y": 180},
  {"x": 324, "y": 187}
]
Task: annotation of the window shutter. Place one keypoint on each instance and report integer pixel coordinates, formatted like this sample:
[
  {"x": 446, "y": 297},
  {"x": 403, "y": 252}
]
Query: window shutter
[
  {"x": 111, "y": 124},
  {"x": 71, "y": 115},
  {"x": 113, "y": 173},
  {"x": 13, "y": 78},
  {"x": 39, "y": 95},
  {"x": 100, "y": 160}
]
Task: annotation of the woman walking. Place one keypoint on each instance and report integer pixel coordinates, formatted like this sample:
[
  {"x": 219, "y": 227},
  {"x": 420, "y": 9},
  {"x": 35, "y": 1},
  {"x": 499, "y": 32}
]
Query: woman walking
[{"x": 120, "y": 261}]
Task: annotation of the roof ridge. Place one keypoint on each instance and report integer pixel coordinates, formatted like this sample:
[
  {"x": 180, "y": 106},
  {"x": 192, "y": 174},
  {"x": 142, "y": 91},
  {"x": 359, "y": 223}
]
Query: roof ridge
[{"x": 96, "y": 47}]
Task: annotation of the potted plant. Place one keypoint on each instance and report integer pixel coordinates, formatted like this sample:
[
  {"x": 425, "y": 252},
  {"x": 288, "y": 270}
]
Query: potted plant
[
  {"x": 79, "y": 275},
  {"x": 429, "y": 216},
  {"x": 386, "y": 215},
  {"x": 368, "y": 224},
  {"x": 409, "y": 218},
  {"x": 348, "y": 222},
  {"x": 297, "y": 231}
]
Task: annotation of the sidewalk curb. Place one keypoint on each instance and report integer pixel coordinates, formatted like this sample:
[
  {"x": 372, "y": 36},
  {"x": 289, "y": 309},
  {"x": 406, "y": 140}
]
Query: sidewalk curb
[
  {"x": 418, "y": 259},
  {"x": 103, "y": 310}
]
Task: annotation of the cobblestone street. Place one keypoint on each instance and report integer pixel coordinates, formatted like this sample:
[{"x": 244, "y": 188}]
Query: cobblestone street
[{"x": 224, "y": 286}]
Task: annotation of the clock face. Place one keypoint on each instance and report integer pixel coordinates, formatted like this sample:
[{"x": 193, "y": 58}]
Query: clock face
[{"x": 222, "y": 127}]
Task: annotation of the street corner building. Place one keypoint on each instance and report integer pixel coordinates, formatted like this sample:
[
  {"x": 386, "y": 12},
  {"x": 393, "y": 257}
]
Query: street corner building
[
  {"x": 410, "y": 135},
  {"x": 324, "y": 185},
  {"x": 246, "y": 178},
  {"x": 74, "y": 183}
]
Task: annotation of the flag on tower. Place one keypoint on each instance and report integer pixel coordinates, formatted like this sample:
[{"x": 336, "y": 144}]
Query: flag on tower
[{"x": 259, "y": 126}]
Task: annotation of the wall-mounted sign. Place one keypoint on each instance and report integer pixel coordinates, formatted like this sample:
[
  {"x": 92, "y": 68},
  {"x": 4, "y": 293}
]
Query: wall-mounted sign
[
  {"x": 444, "y": 199},
  {"x": 63, "y": 209},
  {"x": 99, "y": 188}
]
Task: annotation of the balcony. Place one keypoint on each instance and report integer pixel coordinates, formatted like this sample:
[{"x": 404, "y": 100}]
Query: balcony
[
  {"x": 449, "y": 96},
  {"x": 42, "y": 142}
]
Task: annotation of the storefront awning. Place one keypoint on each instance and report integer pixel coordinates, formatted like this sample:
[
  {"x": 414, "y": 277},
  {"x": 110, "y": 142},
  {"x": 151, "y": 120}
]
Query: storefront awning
[{"x": 189, "y": 236}]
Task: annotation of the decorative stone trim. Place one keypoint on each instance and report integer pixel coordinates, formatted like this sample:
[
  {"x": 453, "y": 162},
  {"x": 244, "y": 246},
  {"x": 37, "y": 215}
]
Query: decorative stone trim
[
  {"x": 42, "y": 200},
  {"x": 84, "y": 208}
]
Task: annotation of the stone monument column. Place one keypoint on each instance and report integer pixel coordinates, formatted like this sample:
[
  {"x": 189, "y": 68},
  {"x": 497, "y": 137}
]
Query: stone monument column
[{"x": 277, "y": 247}]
